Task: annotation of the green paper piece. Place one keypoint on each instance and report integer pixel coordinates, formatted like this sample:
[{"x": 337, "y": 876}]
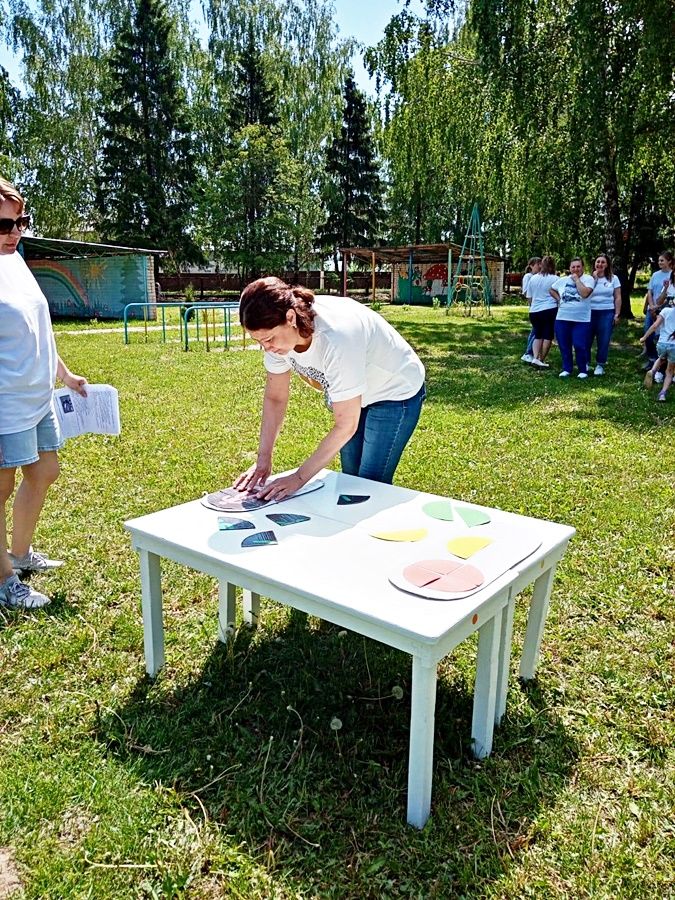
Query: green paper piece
[
  {"x": 473, "y": 516},
  {"x": 439, "y": 509}
]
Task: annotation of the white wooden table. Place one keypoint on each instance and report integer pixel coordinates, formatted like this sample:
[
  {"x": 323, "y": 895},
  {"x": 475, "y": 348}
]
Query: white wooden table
[{"x": 332, "y": 568}]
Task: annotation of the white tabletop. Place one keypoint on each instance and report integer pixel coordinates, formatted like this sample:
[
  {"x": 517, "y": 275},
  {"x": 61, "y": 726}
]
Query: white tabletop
[{"x": 333, "y": 559}]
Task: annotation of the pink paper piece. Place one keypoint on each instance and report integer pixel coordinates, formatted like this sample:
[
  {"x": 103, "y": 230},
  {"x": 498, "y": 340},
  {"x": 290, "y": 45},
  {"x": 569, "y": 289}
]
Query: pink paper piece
[
  {"x": 429, "y": 570},
  {"x": 466, "y": 578}
]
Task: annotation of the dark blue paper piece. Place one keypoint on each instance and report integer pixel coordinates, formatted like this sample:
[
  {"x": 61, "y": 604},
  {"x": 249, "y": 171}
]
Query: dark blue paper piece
[
  {"x": 287, "y": 518},
  {"x": 260, "y": 539},
  {"x": 351, "y": 499},
  {"x": 234, "y": 524}
]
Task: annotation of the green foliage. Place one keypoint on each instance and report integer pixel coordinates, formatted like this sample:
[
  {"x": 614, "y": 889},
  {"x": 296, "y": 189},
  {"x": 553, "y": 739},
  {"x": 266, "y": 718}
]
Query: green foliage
[
  {"x": 353, "y": 189},
  {"x": 147, "y": 181}
]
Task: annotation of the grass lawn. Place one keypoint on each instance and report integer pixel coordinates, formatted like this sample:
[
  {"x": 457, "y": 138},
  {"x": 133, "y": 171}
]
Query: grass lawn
[{"x": 223, "y": 777}]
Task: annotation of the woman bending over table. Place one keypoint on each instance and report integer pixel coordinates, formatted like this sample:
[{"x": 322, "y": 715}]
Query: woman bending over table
[{"x": 371, "y": 378}]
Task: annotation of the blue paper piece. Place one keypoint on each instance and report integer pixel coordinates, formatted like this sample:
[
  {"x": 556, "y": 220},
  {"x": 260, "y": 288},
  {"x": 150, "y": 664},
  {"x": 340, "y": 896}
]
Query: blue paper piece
[
  {"x": 260, "y": 539},
  {"x": 287, "y": 518},
  {"x": 234, "y": 524},
  {"x": 351, "y": 499}
]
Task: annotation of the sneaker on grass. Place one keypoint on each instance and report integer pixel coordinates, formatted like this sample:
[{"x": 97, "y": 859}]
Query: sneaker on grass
[
  {"x": 564, "y": 375},
  {"x": 599, "y": 370},
  {"x": 582, "y": 375},
  {"x": 14, "y": 594},
  {"x": 662, "y": 397},
  {"x": 527, "y": 357},
  {"x": 539, "y": 363},
  {"x": 34, "y": 562}
]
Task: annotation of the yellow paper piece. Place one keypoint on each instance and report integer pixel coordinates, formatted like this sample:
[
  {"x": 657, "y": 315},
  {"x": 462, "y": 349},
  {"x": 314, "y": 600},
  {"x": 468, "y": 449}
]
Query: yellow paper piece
[
  {"x": 464, "y": 547},
  {"x": 412, "y": 534}
]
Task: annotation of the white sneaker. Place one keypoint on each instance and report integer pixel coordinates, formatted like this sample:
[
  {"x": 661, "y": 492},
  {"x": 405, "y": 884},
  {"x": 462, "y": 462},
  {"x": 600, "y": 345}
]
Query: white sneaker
[
  {"x": 599, "y": 370},
  {"x": 34, "y": 562},
  {"x": 527, "y": 357},
  {"x": 658, "y": 378},
  {"x": 14, "y": 594},
  {"x": 564, "y": 375},
  {"x": 582, "y": 375},
  {"x": 539, "y": 363}
]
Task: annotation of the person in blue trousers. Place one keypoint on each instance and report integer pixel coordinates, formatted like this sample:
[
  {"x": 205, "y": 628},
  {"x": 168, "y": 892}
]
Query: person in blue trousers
[
  {"x": 371, "y": 378},
  {"x": 605, "y": 310},
  {"x": 573, "y": 322}
]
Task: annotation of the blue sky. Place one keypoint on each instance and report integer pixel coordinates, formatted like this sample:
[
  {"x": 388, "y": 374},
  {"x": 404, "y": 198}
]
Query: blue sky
[{"x": 364, "y": 20}]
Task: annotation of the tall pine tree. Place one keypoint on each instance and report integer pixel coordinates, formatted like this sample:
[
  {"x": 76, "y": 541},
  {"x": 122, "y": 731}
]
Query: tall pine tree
[
  {"x": 353, "y": 192},
  {"x": 250, "y": 199},
  {"x": 147, "y": 182}
]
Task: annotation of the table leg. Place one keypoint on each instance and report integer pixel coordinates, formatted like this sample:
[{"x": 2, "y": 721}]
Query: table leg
[
  {"x": 504, "y": 659},
  {"x": 421, "y": 756},
  {"x": 535, "y": 624},
  {"x": 251, "y": 608},
  {"x": 151, "y": 605},
  {"x": 485, "y": 690},
  {"x": 227, "y": 610}
]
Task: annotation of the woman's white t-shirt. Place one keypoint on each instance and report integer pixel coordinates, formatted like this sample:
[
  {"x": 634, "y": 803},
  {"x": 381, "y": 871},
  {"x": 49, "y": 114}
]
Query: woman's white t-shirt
[
  {"x": 573, "y": 307},
  {"x": 28, "y": 358},
  {"x": 538, "y": 291},
  {"x": 603, "y": 293},
  {"x": 667, "y": 326},
  {"x": 354, "y": 351}
]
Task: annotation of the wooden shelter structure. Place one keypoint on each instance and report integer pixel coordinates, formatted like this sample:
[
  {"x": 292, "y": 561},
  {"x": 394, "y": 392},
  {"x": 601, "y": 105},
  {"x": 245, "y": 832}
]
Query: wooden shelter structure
[{"x": 420, "y": 272}]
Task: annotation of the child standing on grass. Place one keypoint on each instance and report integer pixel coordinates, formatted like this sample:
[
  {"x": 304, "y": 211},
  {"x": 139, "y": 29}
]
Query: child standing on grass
[
  {"x": 29, "y": 429},
  {"x": 665, "y": 323}
]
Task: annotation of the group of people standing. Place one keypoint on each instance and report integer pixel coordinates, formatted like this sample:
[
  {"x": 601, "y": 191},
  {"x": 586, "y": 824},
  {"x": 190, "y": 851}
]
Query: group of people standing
[{"x": 578, "y": 309}]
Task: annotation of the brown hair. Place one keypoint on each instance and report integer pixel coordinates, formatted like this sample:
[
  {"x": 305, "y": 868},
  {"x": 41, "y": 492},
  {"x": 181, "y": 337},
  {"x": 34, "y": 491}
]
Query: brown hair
[
  {"x": 532, "y": 261},
  {"x": 265, "y": 302},
  {"x": 547, "y": 266},
  {"x": 9, "y": 192},
  {"x": 608, "y": 270},
  {"x": 667, "y": 255}
]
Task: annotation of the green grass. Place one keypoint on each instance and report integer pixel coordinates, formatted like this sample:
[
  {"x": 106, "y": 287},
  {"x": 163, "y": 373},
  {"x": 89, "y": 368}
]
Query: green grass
[{"x": 223, "y": 777}]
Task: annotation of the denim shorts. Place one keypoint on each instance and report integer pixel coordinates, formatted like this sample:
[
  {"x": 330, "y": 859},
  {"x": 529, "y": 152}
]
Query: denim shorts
[
  {"x": 25, "y": 447},
  {"x": 666, "y": 349}
]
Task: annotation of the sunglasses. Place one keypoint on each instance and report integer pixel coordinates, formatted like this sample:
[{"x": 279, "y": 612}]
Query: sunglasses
[{"x": 7, "y": 225}]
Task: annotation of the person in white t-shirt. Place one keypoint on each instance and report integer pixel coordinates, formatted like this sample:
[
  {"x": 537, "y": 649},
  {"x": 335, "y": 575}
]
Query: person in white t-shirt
[
  {"x": 654, "y": 300},
  {"x": 371, "y": 378},
  {"x": 573, "y": 322},
  {"x": 543, "y": 310},
  {"x": 605, "y": 310},
  {"x": 665, "y": 347},
  {"x": 533, "y": 265},
  {"x": 29, "y": 430}
]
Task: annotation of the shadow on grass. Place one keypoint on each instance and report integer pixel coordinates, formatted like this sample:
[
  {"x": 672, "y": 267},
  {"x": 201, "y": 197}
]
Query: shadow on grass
[{"x": 298, "y": 746}]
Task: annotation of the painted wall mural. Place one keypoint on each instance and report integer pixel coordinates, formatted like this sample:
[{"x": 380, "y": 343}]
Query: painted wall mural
[{"x": 95, "y": 286}]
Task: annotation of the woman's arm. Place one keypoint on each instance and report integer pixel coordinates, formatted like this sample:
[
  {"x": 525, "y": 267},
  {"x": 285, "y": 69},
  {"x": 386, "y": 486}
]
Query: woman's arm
[
  {"x": 617, "y": 304},
  {"x": 275, "y": 401},
  {"x": 583, "y": 289},
  {"x": 74, "y": 382},
  {"x": 555, "y": 295},
  {"x": 655, "y": 326},
  {"x": 346, "y": 414}
]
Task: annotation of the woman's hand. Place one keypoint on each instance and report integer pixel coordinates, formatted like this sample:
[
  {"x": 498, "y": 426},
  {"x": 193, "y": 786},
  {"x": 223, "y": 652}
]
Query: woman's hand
[
  {"x": 643, "y": 338},
  {"x": 281, "y": 488},
  {"x": 253, "y": 478},
  {"x": 75, "y": 383}
]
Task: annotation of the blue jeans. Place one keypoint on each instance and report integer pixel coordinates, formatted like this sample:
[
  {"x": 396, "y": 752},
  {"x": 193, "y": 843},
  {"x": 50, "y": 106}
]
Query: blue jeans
[
  {"x": 602, "y": 322},
  {"x": 650, "y": 343},
  {"x": 530, "y": 342},
  {"x": 573, "y": 335},
  {"x": 380, "y": 439}
]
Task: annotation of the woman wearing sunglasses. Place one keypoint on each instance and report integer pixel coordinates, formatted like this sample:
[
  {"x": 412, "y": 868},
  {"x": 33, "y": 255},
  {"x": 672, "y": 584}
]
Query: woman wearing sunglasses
[{"x": 29, "y": 430}]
